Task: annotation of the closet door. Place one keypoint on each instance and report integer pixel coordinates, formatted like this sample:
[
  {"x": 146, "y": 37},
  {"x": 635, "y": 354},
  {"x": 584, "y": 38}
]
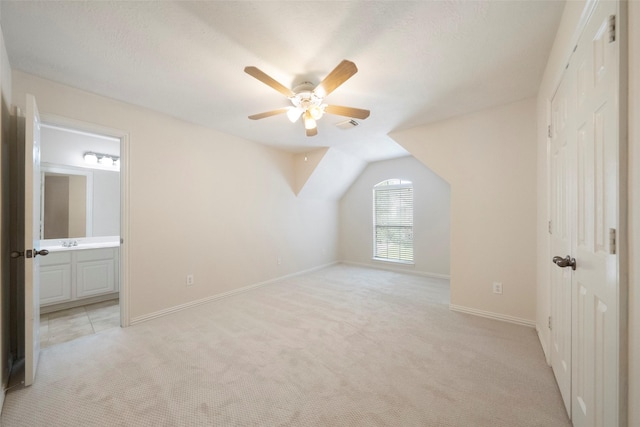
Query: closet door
[
  {"x": 596, "y": 293},
  {"x": 585, "y": 213},
  {"x": 562, "y": 164}
]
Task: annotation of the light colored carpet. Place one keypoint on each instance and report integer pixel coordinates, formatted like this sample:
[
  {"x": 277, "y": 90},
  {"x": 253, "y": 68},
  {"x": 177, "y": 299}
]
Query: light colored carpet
[{"x": 343, "y": 346}]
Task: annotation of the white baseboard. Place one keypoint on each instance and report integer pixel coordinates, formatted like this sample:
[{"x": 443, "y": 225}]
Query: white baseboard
[
  {"x": 491, "y": 315},
  {"x": 216, "y": 297},
  {"x": 397, "y": 270},
  {"x": 543, "y": 344}
]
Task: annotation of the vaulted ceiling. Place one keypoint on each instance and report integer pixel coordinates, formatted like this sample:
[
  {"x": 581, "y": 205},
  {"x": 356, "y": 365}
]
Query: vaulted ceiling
[{"x": 418, "y": 62}]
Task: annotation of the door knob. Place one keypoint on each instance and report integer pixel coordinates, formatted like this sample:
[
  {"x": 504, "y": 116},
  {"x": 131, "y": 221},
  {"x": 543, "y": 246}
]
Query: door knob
[
  {"x": 30, "y": 253},
  {"x": 565, "y": 262}
]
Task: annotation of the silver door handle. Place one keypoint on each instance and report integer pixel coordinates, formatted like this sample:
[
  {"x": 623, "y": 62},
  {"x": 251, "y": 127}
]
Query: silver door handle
[
  {"x": 565, "y": 262},
  {"x": 30, "y": 253},
  {"x": 41, "y": 252}
]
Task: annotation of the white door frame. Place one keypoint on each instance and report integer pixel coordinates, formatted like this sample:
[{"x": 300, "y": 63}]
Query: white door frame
[{"x": 64, "y": 122}]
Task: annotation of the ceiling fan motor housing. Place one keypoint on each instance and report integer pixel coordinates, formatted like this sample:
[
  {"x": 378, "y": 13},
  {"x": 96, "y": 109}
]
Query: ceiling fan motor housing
[{"x": 306, "y": 100}]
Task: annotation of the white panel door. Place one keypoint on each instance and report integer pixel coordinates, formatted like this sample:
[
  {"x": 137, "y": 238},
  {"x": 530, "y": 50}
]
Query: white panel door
[
  {"x": 596, "y": 340},
  {"x": 584, "y": 167},
  {"x": 561, "y": 160},
  {"x": 32, "y": 240}
]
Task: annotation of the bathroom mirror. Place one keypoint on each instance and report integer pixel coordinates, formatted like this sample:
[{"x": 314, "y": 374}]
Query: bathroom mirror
[{"x": 67, "y": 202}]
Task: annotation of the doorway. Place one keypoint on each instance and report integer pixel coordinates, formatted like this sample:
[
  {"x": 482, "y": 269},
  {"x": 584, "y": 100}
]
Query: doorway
[{"x": 81, "y": 224}]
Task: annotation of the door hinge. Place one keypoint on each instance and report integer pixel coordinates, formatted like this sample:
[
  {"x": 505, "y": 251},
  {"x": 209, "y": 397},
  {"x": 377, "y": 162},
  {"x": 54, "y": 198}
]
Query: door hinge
[
  {"x": 549, "y": 131},
  {"x": 549, "y": 227},
  {"x": 549, "y": 324},
  {"x": 612, "y": 28},
  {"x": 612, "y": 241}
]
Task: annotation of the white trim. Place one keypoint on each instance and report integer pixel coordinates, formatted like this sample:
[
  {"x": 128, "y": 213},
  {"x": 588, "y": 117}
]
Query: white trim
[
  {"x": 216, "y": 297},
  {"x": 393, "y": 261},
  {"x": 125, "y": 231},
  {"x": 491, "y": 315},
  {"x": 398, "y": 270},
  {"x": 547, "y": 355},
  {"x": 587, "y": 11}
]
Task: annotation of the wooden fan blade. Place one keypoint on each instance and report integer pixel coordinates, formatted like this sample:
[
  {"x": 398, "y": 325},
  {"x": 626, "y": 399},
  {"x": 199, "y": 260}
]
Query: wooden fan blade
[
  {"x": 312, "y": 132},
  {"x": 268, "y": 114},
  {"x": 356, "y": 113},
  {"x": 264, "y": 78},
  {"x": 339, "y": 75}
]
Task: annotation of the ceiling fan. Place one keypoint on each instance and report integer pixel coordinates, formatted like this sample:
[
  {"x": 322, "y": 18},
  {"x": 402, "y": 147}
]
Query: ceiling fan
[{"x": 307, "y": 100}]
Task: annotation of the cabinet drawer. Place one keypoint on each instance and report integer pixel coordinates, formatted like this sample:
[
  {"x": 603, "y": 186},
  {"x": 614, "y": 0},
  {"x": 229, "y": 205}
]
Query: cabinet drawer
[
  {"x": 56, "y": 258},
  {"x": 95, "y": 254}
]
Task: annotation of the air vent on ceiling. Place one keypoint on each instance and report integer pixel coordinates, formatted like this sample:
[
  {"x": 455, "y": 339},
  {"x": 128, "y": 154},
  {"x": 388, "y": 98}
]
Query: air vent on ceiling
[{"x": 347, "y": 124}]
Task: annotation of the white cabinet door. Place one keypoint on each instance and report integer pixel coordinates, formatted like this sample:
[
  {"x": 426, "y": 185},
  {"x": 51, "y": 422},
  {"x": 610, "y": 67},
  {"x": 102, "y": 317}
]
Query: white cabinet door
[
  {"x": 95, "y": 272},
  {"x": 55, "y": 278},
  {"x": 55, "y": 283}
]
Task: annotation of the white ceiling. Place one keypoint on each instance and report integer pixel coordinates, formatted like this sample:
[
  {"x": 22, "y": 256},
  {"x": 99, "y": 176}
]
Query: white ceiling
[{"x": 418, "y": 61}]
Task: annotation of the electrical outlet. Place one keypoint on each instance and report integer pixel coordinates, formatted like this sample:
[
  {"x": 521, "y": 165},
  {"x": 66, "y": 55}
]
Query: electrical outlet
[
  {"x": 497, "y": 287},
  {"x": 279, "y": 260},
  {"x": 190, "y": 279}
]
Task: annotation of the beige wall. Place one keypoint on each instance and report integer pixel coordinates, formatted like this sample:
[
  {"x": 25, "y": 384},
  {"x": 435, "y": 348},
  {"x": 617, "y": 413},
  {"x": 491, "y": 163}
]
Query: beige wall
[
  {"x": 77, "y": 206},
  {"x": 563, "y": 44},
  {"x": 488, "y": 158},
  {"x": 431, "y": 217},
  {"x": 201, "y": 202},
  {"x": 56, "y": 211},
  {"x": 634, "y": 213}
]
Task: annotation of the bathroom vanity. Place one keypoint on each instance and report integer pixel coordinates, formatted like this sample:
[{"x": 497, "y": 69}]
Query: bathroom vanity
[{"x": 80, "y": 273}]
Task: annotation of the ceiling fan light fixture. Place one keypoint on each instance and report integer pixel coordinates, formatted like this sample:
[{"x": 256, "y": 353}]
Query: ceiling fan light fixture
[
  {"x": 307, "y": 98},
  {"x": 316, "y": 111},
  {"x": 309, "y": 121},
  {"x": 294, "y": 114}
]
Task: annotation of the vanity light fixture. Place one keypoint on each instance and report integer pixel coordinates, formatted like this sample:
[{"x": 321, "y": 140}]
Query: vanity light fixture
[
  {"x": 90, "y": 158},
  {"x": 106, "y": 161},
  {"x": 102, "y": 159}
]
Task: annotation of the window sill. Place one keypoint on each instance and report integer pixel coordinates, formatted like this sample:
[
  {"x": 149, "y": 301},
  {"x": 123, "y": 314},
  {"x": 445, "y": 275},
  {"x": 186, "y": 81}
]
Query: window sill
[{"x": 394, "y": 261}]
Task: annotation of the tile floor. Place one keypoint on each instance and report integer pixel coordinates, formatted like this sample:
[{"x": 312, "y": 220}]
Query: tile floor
[{"x": 67, "y": 325}]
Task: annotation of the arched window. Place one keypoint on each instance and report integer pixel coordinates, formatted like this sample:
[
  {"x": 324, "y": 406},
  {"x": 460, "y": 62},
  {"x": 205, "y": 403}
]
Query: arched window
[{"x": 393, "y": 221}]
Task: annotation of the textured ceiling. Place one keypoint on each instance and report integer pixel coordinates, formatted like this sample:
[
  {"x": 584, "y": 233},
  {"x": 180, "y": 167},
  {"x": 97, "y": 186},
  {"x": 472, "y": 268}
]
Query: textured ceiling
[{"x": 418, "y": 61}]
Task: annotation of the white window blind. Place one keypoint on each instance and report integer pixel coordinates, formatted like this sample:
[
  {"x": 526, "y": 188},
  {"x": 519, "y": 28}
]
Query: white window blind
[{"x": 393, "y": 220}]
